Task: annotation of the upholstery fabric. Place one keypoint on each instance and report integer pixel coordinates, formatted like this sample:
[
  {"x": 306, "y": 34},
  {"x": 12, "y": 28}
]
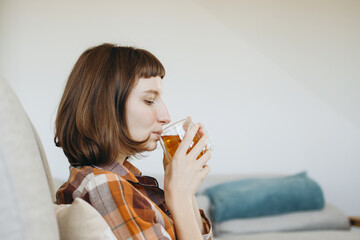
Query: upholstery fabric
[
  {"x": 261, "y": 197},
  {"x": 80, "y": 221},
  {"x": 329, "y": 218},
  {"x": 25, "y": 203},
  {"x": 45, "y": 165},
  {"x": 310, "y": 235}
]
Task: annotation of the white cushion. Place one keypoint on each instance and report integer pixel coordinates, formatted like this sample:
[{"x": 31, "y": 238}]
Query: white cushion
[
  {"x": 80, "y": 221},
  {"x": 310, "y": 235},
  {"x": 329, "y": 218}
]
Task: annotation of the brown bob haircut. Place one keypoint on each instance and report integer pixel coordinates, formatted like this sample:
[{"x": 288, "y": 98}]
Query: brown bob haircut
[{"x": 90, "y": 124}]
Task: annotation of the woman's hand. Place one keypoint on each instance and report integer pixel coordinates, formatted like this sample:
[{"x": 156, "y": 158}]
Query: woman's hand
[{"x": 184, "y": 173}]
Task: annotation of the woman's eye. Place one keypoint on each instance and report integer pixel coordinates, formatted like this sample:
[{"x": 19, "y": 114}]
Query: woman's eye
[{"x": 149, "y": 102}]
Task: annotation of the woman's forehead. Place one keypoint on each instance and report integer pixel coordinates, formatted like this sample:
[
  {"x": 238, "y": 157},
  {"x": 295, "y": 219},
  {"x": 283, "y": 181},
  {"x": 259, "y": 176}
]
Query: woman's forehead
[{"x": 149, "y": 85}]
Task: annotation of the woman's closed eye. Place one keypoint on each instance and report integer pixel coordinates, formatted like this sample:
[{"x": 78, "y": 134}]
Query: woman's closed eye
[{"x": 149, "y": 102}]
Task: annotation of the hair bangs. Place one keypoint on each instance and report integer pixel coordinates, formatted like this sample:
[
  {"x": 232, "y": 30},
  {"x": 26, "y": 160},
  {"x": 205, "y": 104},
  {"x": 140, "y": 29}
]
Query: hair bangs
[{"x": 148, "y": 66}]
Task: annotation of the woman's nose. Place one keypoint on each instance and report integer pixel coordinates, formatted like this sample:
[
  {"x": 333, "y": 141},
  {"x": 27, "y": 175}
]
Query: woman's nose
[{"x": 164, "y": 116}]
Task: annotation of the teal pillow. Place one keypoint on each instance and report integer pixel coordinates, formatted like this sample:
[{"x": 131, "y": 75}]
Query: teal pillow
[{"x": 264, "y": 196}]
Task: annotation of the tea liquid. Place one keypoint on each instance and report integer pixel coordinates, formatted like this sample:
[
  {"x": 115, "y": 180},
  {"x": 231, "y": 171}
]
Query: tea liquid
[{"x": 172, "y": 142}]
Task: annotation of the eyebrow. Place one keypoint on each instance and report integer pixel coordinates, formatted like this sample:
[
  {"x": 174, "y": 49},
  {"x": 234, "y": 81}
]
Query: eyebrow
[{"x": 152, "y": 91}]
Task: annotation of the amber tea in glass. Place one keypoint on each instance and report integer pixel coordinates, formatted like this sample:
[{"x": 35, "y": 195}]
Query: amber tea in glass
[{"x": 173, "y": 135}]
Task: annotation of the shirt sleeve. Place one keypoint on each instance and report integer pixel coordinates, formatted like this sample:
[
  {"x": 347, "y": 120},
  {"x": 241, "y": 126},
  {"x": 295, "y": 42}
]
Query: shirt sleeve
[
  {"x": 128, "y": 213},
  {"x": 207, "y": 226}
]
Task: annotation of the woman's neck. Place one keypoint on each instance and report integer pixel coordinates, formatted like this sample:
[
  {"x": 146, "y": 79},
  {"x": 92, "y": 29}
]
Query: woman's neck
[{"x": 121, "y": 158}]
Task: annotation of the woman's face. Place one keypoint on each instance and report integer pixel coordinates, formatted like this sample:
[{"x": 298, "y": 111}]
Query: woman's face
[{"x": 146, "y": 112}]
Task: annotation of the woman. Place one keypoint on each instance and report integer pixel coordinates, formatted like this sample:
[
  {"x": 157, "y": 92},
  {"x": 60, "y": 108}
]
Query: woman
[{"x": 112, "y": 109}]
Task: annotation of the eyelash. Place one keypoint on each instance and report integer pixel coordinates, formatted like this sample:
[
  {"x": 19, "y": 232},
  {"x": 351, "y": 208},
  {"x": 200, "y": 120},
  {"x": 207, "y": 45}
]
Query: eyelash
[{"x": 149, "y": 102}]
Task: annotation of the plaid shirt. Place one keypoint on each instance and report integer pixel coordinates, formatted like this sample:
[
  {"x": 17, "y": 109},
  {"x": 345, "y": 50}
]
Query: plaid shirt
[{"x": 132, "y": 205}]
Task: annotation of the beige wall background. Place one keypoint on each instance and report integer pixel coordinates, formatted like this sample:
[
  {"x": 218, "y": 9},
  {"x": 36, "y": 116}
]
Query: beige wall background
[{"x": 276, "y": 83}]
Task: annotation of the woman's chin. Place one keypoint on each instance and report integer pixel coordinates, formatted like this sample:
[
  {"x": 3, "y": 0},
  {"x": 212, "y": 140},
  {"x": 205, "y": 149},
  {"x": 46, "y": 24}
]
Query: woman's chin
[{"x": 151, "y": 146}]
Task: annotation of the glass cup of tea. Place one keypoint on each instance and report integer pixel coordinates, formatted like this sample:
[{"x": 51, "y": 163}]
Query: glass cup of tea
[{"x": 172, "y": 136}]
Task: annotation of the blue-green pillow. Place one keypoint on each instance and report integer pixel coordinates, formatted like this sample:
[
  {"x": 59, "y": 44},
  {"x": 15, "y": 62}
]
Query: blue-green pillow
[{"x": 264, "y": 196}]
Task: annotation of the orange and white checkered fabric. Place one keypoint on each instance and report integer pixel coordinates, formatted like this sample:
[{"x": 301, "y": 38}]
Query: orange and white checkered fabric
[{"x": 132, "y": 205}]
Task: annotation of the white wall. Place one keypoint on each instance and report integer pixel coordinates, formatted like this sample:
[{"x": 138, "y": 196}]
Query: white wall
[{"x": 277, "y": 83}]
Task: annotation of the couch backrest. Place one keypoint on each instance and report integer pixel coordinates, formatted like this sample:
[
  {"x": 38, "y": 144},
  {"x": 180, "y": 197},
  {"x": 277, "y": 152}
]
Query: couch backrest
[
  {"x": 26, "y": 195},
  {"x": 214, "y": 179}
]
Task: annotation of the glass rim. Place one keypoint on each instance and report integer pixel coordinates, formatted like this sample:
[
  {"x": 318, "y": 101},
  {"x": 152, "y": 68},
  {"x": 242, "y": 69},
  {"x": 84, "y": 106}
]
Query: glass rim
[{"x": 173, "y": 124}]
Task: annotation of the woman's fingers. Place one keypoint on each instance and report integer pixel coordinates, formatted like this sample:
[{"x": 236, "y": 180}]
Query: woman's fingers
[
  {"x": 188, "y": 138},
  {"x": 198, "y": 148},
  {"x": 205, "y": 171},
  {"x": 204, "y": 158},
  {"x": 188, "y": 141},
  {"x": 187, "y": 124}
]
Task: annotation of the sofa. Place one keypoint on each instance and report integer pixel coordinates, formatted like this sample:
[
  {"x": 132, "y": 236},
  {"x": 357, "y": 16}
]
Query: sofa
[
  {"x": 27, "y": 189},
  {"x": 28, "y": 192},
  {"x": 326, "y": 223}
]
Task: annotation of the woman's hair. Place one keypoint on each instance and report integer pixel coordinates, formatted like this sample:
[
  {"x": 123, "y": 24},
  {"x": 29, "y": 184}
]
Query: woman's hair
[{"x": 90, "y": 124}]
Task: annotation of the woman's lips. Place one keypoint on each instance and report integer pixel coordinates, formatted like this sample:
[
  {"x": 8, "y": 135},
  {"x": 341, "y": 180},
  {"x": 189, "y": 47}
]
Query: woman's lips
[{"x": 157, "y": 134}]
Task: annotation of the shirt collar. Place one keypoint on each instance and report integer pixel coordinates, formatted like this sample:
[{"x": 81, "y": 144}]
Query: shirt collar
[{"x": 126, "y": 170}]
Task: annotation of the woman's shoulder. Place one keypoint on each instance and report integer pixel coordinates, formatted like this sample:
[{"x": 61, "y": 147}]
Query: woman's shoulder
[
  {"x": 87, "y": 180},
  {"x": 89, "y": 177},
  {"x": 93, "y": 172}
]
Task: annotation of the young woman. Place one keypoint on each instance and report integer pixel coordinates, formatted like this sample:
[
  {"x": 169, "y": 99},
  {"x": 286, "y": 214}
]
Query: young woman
[{"x": 112, "y": 109}]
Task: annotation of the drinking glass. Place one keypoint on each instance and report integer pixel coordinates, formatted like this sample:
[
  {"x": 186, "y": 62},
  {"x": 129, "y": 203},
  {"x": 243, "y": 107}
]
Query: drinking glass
[{"x": 172, "y": 136}]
